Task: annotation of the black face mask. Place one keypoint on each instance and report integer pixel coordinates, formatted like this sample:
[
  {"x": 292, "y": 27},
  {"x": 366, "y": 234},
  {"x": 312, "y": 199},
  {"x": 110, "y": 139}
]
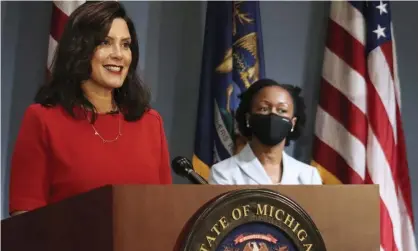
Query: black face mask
[{"x": 270, "y": 129}]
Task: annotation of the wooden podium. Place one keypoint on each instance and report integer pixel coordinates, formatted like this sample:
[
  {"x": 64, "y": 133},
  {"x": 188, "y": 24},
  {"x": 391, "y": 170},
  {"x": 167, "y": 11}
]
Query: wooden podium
[{"x": 152, "y": 217}]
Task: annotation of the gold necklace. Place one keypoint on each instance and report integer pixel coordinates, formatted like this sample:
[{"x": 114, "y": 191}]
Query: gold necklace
[{"x": 107, "y": 140}]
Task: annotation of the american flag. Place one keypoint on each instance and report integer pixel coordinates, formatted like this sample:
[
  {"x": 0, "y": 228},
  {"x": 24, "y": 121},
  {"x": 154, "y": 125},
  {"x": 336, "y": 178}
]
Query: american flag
[
  {"x": 358, "y": 133},
  {"x": 61, "y": 10}
]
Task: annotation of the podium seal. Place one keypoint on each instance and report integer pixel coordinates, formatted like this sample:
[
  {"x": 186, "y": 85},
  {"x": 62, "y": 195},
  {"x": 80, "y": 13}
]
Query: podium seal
[{"x": 252, "y": 220}]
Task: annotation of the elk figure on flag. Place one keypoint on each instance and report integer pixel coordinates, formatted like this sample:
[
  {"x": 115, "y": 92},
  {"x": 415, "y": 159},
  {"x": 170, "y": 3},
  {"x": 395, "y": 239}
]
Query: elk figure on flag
[
  {"x": 358, "y": 132},
  {"x": 232, "y": 61}
]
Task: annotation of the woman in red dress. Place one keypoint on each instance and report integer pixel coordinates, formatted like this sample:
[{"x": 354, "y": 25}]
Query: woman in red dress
[{"x": 92, "y": 124}]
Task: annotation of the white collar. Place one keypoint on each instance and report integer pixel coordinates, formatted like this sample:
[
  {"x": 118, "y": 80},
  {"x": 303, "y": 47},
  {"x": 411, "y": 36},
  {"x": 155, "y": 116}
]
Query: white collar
[{"x": 250, "y": 164}]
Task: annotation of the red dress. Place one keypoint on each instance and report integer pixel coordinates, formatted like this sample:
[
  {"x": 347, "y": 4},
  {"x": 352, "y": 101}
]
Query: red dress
[{"x": 57, "y": 156}]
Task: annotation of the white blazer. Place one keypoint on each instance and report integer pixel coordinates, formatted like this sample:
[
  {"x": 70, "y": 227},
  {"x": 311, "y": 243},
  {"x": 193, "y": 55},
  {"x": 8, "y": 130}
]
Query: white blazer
[{"x": 245, "y": 169}]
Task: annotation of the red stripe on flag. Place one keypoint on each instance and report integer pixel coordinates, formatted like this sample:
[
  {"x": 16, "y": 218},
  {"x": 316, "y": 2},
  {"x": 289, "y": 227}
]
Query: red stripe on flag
[
  {"x": 353, "y": 53},
  {"x": 334, "y": 163},
  {"x": 345, "y": 112},
  {"x": 387, "y": 240},
  {"x": 403, "y": 171},
  {"x": 382, "y": 128},
  {"x": 388, "y": 53},
  {"x": 367, "y": 178},
  {"x": 402, "y": 177},
  {"x": 339, "y": 40},
  {"x": 59, "y": 19}
]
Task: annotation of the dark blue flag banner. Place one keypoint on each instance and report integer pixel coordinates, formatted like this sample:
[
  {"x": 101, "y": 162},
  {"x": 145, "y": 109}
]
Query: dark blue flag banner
[{"x": 232, "y": 61}]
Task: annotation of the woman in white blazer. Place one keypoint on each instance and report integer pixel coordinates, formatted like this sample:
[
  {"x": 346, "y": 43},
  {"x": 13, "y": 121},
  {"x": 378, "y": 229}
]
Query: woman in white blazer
[{"x": 269, "y": 116}]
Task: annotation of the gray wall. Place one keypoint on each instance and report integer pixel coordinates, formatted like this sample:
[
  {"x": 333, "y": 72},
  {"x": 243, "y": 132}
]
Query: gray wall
[
  {"x": 24, "y": 46},
  {"x": 171, "y": 47}
]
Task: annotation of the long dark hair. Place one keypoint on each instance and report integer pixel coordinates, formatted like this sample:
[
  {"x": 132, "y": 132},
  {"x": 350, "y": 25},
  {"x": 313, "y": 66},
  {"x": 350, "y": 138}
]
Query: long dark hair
[{"x": 85, "y": 29}]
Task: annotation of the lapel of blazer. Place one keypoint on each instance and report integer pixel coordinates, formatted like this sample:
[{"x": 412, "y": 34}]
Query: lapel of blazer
[
  {"x": 251, "y": 166},
  {"x": 291, "y": 170}
]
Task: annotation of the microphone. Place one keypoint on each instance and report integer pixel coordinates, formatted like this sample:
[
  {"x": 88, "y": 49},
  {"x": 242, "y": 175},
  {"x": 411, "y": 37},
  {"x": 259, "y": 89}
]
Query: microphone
[{"x": 183, "y": 167}]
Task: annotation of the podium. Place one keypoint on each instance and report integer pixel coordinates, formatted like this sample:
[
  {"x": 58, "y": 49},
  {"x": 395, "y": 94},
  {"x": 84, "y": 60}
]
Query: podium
[{"x": 155, "y": 217}]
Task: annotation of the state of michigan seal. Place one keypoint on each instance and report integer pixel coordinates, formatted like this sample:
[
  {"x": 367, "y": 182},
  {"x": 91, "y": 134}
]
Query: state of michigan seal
[{"x": 252, "y": 220}]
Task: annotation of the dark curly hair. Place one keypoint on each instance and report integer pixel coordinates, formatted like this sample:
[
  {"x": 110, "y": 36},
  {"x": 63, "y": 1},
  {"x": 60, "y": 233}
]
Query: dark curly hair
[
  {"x": 246, "y": 103},
  {"x": 85, "y": 29}
]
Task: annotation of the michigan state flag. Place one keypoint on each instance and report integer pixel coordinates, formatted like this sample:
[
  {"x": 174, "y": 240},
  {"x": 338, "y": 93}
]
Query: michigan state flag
[{"x": 232, "y": 61}]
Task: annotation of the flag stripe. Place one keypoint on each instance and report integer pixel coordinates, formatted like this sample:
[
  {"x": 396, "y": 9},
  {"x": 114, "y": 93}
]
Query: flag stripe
[
  {"x": 383, "y": 175},
  {"x": 67, "y": 7},
  {"x": 338, "y": 41},
  {"x": 383, "y": 93},
  {"x": 386, "y": 49},
  {"x": 395, "y": 69},
  {"x": 358, "y": 48},
  {"x": 327, "y": 156},
  {"x": 51, "y": 51},
  {"x": 355, "y": 61},
  {"x": 386, "y": 237},
  {"x": 345, "y": 112},
  {"x": 332, "y": 133},
  {"x": 59, "y": 19},
  {"x": 385, "y": 137},
  {"x": 407, "y": 230},
  {"x": 334, "y": 70},
  {"x": 380, "y": 123},
  {"x": 342, "y": 11},
  {"x": 60, "y": 12},
  {"x": 403, "y": 177},
  {"x": 360, "y": 81},
  {"x": 373, "y": 99}
]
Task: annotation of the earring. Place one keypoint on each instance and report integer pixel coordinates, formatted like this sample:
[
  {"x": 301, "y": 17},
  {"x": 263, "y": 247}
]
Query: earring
[
  {"x": 292, "y": 129},
  {"x": 248, "y": 124}
]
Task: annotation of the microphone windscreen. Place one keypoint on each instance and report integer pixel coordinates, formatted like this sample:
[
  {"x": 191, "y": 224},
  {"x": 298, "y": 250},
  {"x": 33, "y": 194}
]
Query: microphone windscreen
[{"x": 180, "y": 165}]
